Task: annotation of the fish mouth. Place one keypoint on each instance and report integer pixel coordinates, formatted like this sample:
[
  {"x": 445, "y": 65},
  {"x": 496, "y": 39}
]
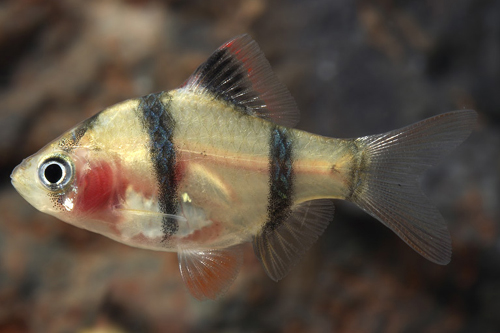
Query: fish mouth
[
  {"x": 13, "y": 174},
  {"x": 16, "y": 177},
  {"x": 16, "y": 180}
]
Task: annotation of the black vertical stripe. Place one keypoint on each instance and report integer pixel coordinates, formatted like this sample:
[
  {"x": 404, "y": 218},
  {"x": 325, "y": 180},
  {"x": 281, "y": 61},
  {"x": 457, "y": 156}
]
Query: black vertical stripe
[
  {"x": 160, "y": 126},
  {"x": 281, "y": 178}
]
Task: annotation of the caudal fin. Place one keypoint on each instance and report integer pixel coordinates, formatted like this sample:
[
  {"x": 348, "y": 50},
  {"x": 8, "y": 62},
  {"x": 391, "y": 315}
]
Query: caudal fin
[{"x": 388, "y": 186}]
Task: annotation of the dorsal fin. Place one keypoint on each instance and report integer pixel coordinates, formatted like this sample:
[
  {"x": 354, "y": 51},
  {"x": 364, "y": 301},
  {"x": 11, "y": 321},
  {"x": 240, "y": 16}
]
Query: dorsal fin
[{"x": 238, "y": 73}]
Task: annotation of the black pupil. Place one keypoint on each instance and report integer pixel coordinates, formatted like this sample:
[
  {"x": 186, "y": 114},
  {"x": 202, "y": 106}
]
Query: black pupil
[{"x": 53, "y": 173}]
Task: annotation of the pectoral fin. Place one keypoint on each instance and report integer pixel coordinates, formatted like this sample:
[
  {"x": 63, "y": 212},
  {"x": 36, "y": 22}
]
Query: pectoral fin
[
  {"x": 210, "y": 182},
  {"x": 209, "y": 273},
  {"x": 280, "y": 248}
]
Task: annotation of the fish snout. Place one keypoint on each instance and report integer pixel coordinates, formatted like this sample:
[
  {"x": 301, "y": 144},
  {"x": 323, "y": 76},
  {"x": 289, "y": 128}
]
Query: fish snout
[{"x": 18, "y": 175}]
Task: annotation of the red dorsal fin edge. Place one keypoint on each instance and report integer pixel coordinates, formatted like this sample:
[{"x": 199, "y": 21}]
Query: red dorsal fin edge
[{"x": 239, "y": 73}]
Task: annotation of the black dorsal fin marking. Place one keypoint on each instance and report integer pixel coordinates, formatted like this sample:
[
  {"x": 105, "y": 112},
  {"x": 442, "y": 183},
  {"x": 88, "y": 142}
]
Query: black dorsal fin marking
[{"x": 238, "y": 73}]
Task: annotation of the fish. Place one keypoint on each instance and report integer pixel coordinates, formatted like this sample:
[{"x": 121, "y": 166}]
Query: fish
[{"x": 204, "y": 169}]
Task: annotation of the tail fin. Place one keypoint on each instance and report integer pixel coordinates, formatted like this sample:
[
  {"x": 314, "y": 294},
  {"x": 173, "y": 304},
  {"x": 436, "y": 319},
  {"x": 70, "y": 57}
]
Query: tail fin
[{"x": 388, "y": 187}]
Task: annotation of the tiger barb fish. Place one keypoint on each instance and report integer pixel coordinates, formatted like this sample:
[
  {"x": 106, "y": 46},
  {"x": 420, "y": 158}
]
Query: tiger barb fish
[{"x": 206, "y": 168}]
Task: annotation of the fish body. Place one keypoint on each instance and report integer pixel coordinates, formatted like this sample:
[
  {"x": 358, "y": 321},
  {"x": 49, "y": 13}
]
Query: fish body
[{"x": 205, "y": 168}]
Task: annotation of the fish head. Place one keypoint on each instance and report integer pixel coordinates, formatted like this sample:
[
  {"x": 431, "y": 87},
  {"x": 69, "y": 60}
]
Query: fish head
[
  {"x": 54, "y": 179},
  {"x": 46, "y": 178}
]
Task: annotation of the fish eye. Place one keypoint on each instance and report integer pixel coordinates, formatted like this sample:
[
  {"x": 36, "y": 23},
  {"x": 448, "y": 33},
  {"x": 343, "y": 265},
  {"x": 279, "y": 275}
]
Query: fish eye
[{"x": 55, "y": 172}]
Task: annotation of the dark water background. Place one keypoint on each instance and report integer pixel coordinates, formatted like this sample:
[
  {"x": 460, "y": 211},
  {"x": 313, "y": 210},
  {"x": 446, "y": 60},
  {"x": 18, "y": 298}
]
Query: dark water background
[{"x": 354, "y": 67}]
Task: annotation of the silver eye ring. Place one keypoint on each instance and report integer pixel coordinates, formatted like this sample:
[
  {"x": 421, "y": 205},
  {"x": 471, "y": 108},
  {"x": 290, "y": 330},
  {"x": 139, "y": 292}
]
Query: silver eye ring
[{"x": 55, "y": 172}]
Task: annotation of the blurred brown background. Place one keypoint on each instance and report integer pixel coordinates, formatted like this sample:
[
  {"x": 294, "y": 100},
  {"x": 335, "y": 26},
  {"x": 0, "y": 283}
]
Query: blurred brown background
[{"x": 354, "y": 67}]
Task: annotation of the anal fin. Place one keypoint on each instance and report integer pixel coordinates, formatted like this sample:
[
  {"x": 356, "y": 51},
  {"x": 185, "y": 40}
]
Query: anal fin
[
  {"x": 208, "y": 274},
  {"x": 280, "y": 248}
]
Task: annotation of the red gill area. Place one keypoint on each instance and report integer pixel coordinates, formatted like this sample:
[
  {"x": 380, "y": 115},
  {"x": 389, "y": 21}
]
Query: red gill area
[
  {"x": 103, "y": 185},
  {"x": 97, "y": 187}
]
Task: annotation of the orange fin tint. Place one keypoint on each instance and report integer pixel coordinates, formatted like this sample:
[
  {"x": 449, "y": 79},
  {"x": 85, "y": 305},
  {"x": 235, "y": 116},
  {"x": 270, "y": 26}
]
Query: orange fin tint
[
  {"x": 280, "y": 249},
  {"x": 209, "y": 273},
  {"x": 238, "y": 73}
]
